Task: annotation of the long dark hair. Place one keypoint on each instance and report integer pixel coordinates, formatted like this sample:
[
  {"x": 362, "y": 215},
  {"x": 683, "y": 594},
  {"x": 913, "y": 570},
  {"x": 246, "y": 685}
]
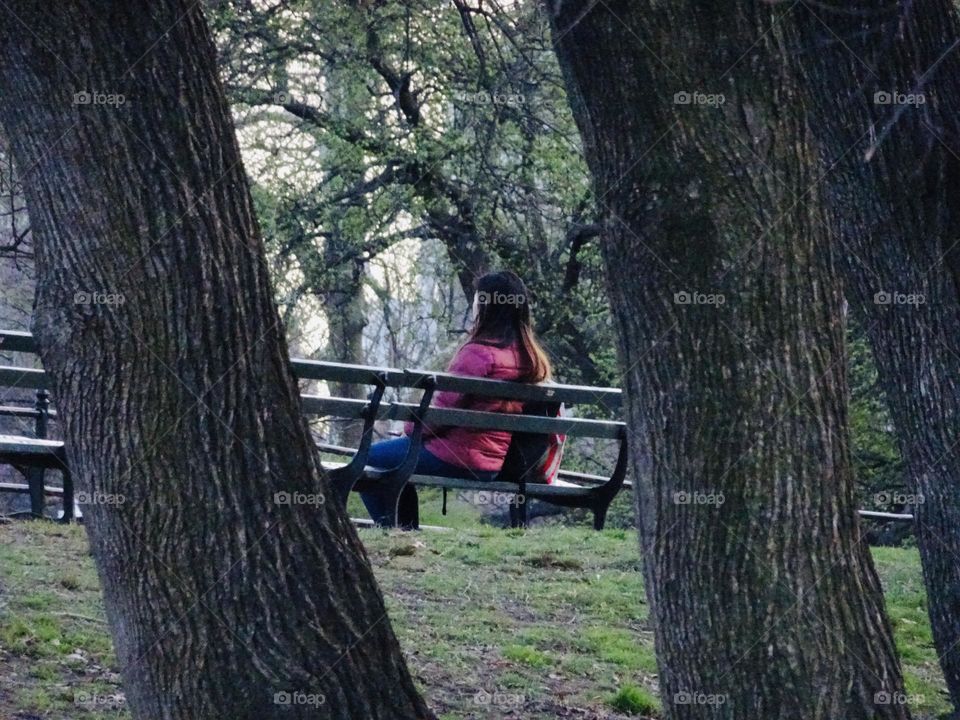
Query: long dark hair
[{"x": 503, "y": 318}]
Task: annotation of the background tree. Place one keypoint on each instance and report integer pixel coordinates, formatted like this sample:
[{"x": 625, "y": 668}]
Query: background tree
[
  {"x": 884, "y": 100},
  {"x": 156, "y": 320},
  {"x": 429, "y": 122},
  {"x": 730, "y": 327}
]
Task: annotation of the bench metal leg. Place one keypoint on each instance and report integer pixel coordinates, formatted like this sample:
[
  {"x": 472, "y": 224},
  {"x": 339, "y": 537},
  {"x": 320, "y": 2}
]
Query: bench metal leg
[
  {"x": 67, "y": 497},
  {"x": 403, "y": 504},
  {"x": 408, "y": 509},
  {"x": 403, "y": 496},
  {"x": 600, "y": 515},
  {"x": 518, "y": 511},
  {"x": 343, "y": 479},
  {"x": 35, "y": 479},
  {"x": 514, "y": 516},
  {"x": 606, "y": 493}
]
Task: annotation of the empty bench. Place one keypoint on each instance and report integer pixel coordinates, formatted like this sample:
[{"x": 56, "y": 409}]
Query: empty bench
[{"x": 31, "y": 455}]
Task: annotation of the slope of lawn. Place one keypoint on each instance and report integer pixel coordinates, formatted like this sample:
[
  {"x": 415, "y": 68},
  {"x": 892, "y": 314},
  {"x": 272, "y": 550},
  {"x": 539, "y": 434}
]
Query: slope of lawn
[{"x": 545, "y": 623}]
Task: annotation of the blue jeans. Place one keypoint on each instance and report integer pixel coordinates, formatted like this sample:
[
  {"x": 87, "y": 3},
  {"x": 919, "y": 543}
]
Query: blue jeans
[{"x": 387, "y": 455}]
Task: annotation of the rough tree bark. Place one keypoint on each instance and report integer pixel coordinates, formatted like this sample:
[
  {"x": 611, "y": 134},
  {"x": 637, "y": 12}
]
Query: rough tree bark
[
  {"x": 767, "y": 605},
  {"x": 894, "y": 162},
  {"x": 156, "y": 320}
]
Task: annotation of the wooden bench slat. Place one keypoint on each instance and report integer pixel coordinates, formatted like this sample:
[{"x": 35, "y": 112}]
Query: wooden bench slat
[
  {"x": 455, "y": 417},
  {"x": 18, "y": 443},
  {"x": 17, "y": 341},
  {"x": 371, "y": 473},
  {"x": 16, "y": 450},
  {"x": 877, "y": 515},
  {"x": 336, "y": 449},
  {"x": 573, "y": 427},
  {"x": 14, "y": 411},
  {"x": 25, "y": 489},
  {"x": 27, "y": 378},
  {"x": 486, "y": 387},
  {"x": 343, "y": 373},
  {"x": 346, "y": 408}
]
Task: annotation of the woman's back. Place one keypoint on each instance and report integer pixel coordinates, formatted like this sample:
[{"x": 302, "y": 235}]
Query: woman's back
[{"x": 470, "y": 447}]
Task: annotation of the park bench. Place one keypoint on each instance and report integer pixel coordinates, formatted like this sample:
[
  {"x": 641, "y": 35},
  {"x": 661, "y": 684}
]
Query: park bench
[
  {"x": 31, "y": 456},
  {"x": 579, "y": 490},
  {"x": 541, "y": 402}
]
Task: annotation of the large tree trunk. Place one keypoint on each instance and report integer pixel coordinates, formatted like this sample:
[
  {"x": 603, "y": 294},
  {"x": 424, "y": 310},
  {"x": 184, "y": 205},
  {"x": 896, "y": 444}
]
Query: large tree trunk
[
  {"x": 767, "y": 605},
  {"x": 892, "y": 186},
  {"x": 156, "y": 320}
]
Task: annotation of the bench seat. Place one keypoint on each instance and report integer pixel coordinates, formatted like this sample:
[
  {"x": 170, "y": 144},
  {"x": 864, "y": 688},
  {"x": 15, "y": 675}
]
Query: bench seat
[
  {"x": 537, "y": 490},
  {"x": 368, "y": 472},
  {"x": 18, "y": 450},
  {"x": 37, "y": 455}
]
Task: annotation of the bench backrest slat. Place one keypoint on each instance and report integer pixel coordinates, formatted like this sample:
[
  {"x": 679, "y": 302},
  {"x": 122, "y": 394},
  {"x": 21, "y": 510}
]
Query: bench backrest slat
[
  {"x": 17, "y": 341},
  {"x": 484, "y": 387},
  {"x": 27, "y": 378},
  {"x": 13, "y": 411},
  {"x": 574, "y": 427},
  {"x": 345, "y": 408},
  {"x": 17, "y": 443},
  {"x": 343, "y": 373},
  {"x": 608, "y": 398}
]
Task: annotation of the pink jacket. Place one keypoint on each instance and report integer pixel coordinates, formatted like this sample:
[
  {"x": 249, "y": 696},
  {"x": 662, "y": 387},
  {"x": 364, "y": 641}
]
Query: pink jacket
[{"x": 470, "y": 447}]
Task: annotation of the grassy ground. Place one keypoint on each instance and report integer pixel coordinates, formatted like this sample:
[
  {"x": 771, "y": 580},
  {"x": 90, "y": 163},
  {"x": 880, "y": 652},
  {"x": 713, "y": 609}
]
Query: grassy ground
[{"x": 496, "y": 624}]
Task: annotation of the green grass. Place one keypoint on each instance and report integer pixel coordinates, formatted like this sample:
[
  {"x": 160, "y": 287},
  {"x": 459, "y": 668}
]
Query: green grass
[
  {"x": 538, "y": 624},
  {"x": 635, "y": 700}
]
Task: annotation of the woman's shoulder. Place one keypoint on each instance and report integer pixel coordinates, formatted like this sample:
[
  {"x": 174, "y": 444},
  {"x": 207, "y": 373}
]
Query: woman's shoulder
[
  {"x": 495, "y": 352},
  {"x": 473, "y": 358},
  {"x": 478, "y": 348},
  {"x": 505, "y": 362}
]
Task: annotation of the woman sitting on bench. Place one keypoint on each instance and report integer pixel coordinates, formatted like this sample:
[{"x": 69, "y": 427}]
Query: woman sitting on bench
[{"x": 502, "y": 346}]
